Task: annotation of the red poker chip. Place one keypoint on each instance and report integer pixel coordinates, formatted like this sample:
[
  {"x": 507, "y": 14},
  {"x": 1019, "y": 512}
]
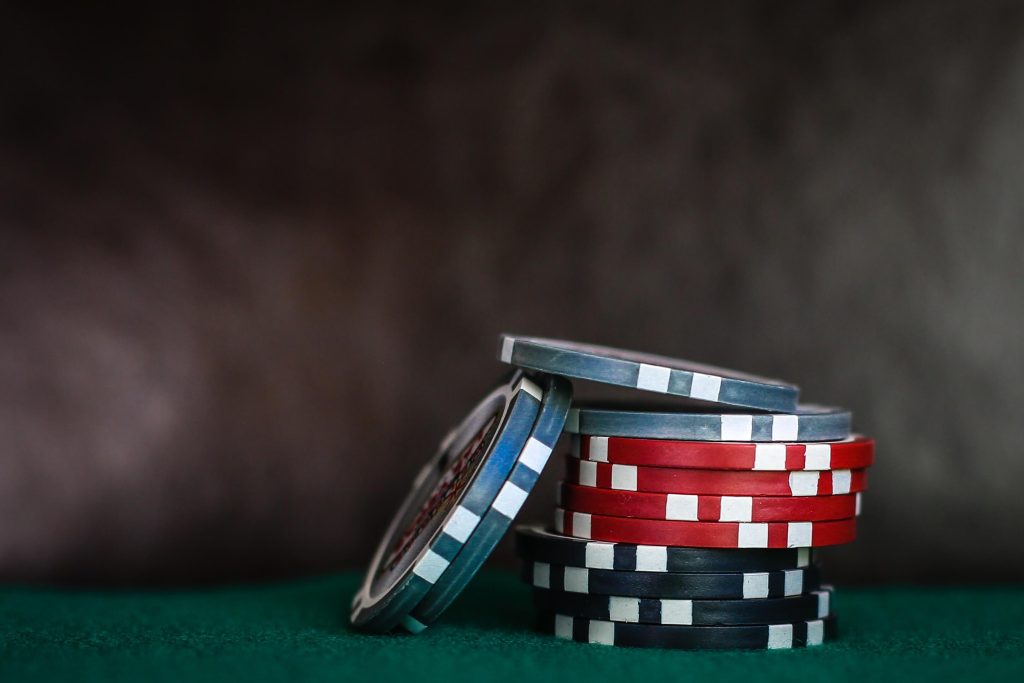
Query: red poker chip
[
  {"x": 714, "y": 482},
  {"x": 705, "y": 534},
  {"x": 697, "y": 508},
  {"x": 854, "y": 453}
]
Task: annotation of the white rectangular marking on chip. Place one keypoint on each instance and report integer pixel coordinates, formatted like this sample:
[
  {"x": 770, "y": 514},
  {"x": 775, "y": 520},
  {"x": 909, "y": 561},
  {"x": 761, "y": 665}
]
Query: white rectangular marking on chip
[
  {"x": 581, "y": 525},
  {"x": 793, "y": 582},
  {"x": 753, "y": 535},
  {"x": 856, "y": 510},
  {"x": 651, "y": 558},
  {"x": 815, "y": 632},
  {"x": 572, "y": 421},
  {"x": 598, "y": 448},
  {"x": 535, "y": 454},
  {"x": 803, "y": 557},
  {"x": 412, "y": 625},
  {"x": 785, "y": 427},
  {"x": 798, "y": 534},
  {"x": 770, "y": 456},
  {"x": 509, "y": 500},
  {"x": 841, "y": 481},
  {"x": 681, "y": 507},
  {"x": 601, "y": 632},
  {"x": 736, "y": 509},
  {"x": 588, "y": 473},
  {"x": 430, "y": 567},
  {"x": 705, "y": 387},
  {"x": 563, "y": 627},
  {"x": 653, "y": 378},
  {"x": 599, "y": 556},
  {"x": 624, "y": 609},
  {"x": 576, "y": 580},
  {"x": 507, "y": 344},
  {"x": 780, "y": 636},
  {"x": 755, "y": 585},
  {"x": 461, "y": 524},
  {"x": 822, "y": 603},
  {"x": 542, "y": 575},
  {"x": 679, "y": 612},
  {"x": 818, "y": 456},
  {"x": 624, "y": 477},
  {"x": 737, "y": 427},
  {"x": 803, "y": 483},
  {"x": 531, "y": 388}
]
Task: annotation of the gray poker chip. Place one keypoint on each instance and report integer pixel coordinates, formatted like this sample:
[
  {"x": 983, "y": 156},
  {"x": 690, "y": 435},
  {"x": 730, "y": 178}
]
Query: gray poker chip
[
  {"x": 806, "y": 423},
  {"x": 648, "y": 372}
]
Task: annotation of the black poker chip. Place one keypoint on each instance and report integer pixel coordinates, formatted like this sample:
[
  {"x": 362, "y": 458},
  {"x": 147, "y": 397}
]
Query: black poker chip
[
  {"x": 750, "y": 637},
  {"x": 536, "y": 544},
  {"x": 683, "y": 612}
]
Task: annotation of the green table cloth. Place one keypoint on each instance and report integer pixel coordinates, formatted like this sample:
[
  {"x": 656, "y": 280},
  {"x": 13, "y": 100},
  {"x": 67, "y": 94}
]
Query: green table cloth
[{"x": 298, "y": 631}]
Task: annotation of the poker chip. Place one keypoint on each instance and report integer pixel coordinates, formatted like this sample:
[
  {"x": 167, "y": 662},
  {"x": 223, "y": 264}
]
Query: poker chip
[
  {"x": 749, "y": 637},
  {"x": 805, "y": 423},
  {"x": 694, "y": 508},
  {"x": 705, "y": 534},
  {"x": 707, "y": 586},
  {"x": 496, "y": 521},
  {"x": 685, "y": 524},
  {"x": 856, "y": 452},
  {"x": 533, "y": 543},
  {"x": 684, "y": 612},
  {"x": 449, "y": 496},
  {"x": 648, "y": 372},
  {"x": 714, "y": 482}
]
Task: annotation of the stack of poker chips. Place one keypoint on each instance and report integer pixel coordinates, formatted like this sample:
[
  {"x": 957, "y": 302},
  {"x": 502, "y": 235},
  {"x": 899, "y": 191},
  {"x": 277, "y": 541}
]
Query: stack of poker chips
[
  {"x": 685, "y": 526},
  {"x": 691, "y": 527}
]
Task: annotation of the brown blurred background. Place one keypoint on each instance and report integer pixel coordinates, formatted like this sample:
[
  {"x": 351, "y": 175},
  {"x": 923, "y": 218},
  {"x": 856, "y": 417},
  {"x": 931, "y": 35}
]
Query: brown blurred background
[{"x": 252, "y": 266}]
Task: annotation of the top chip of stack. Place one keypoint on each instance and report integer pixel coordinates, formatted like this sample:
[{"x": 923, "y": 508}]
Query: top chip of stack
[{"x": 648, "y": 372}]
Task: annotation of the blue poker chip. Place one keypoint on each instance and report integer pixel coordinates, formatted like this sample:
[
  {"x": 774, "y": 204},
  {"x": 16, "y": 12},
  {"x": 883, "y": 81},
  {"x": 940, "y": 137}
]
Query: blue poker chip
[
  {"x": 449, "y": 497},
  {"x": 648, "y": 372},
  {"x": 496, "y": 522},
  {"x": 807, "y": 423}
]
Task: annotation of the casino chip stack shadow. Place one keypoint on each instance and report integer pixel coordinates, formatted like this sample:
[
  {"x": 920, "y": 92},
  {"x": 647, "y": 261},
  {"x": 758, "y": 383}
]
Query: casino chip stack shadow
[{"x": 688, "y": 527}]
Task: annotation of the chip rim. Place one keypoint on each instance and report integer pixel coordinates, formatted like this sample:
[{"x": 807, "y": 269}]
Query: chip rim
[
  {"x": 536, "y": 544},
  {"x": 815, "y": 604},
  {"x": 798, "y": 634},
  {"x": 758, "y": 535},
  {"x": 702, "y": 508},
  {"x": 808, "y": 423},
  {"x": 753, "y": 585},
  {"x": 855, "y": 452},
  {"x": 669, "y": 480},
  {"x": 647, "y": 372}
]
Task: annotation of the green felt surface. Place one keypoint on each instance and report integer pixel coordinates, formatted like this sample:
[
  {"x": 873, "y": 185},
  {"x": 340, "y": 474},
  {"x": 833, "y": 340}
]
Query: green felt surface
[{"x": 297, "y": 631}]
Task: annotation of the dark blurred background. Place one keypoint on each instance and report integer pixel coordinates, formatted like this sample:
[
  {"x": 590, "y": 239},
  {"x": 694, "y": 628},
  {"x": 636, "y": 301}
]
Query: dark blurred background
[{"x": 253, "y": 265}]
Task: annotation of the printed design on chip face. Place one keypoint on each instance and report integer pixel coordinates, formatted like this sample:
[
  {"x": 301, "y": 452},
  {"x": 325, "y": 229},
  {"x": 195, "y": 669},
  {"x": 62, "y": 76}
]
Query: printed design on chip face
[{"x": 446, "y": 492}]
